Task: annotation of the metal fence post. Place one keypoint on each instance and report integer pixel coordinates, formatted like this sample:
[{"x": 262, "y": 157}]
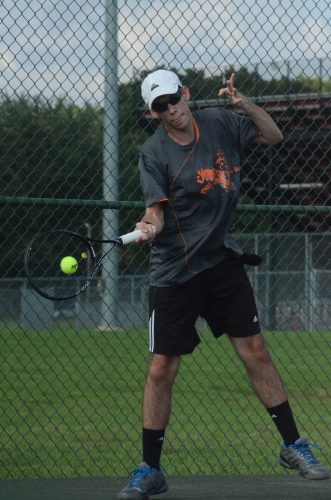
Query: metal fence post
[{"x": 111, "y": 171}]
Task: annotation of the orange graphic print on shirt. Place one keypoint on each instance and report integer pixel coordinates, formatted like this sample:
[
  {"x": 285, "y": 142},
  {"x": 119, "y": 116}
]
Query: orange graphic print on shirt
[{"x": 220, "y": 175}]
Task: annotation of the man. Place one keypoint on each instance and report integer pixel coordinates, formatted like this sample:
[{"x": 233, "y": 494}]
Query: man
[{"x": 190, "y": 171}]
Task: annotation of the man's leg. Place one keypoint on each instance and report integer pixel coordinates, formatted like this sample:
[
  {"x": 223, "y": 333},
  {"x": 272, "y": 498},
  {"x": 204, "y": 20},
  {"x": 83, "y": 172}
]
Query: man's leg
[
  {"x": 266, "y": 381},
  {"x": 148, "y": 478},
  {"x": 157, "y": 405},
  {"x": 157, "y": 395},
  {"x": 262, "y": 372}
]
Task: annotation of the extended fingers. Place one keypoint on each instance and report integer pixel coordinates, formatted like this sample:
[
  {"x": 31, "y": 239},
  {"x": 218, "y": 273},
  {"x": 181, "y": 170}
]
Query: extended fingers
[
  {"x": 223, "y": 92},
  {"x": 229, "y": 89},
  {"x": 231, "y": 80}
]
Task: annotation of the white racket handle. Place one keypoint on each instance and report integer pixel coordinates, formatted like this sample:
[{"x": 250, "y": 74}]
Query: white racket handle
[{"x": 130, "y": 237}]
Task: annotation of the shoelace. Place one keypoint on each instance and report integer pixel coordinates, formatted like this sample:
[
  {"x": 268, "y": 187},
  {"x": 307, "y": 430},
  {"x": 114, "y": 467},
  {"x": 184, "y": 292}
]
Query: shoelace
[
  {"x": 140, "y": 473},
  {"x": 304, "y": 449}
]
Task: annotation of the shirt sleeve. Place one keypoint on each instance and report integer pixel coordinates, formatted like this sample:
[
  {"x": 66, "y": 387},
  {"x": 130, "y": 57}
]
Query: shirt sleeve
[
  {"x": 242, "y": 128},
  {"x": 153, "y": 178}
]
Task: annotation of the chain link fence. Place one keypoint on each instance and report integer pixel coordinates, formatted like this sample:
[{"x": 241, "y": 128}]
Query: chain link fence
[{"x": 72, "y": 122}]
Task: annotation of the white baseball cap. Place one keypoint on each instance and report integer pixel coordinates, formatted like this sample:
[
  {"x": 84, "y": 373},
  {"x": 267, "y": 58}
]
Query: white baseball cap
[{"x": 160, "y": 82}]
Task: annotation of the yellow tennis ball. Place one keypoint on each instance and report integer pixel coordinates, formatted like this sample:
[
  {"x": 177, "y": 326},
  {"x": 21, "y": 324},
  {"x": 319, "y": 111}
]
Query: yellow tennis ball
[{"x": 69, "y": 265}]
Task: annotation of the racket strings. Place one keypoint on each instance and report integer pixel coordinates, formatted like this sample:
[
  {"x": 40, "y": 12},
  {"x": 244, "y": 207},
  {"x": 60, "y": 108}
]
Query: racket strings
[{"x": 60, "y": 264}]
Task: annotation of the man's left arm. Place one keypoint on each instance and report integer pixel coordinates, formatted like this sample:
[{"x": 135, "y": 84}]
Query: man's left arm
[{"x": 269, "y": 132}]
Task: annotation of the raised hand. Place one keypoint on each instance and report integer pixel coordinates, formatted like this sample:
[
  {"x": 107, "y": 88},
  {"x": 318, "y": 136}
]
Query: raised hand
[{"x": 231, "y": 92}]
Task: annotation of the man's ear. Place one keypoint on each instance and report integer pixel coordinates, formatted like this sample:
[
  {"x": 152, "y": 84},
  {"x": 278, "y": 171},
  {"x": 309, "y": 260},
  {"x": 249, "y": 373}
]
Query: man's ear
[
  {"x": 186, "y": 93},
  {"x": 154, "y": 114}
]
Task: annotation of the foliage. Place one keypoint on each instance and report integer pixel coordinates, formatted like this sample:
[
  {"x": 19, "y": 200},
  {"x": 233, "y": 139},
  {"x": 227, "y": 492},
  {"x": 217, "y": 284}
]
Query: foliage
[
  {"x": 46, "y": 150},
  {"x": 315, "y": 84},
  {"x": 50, "y": 150}
]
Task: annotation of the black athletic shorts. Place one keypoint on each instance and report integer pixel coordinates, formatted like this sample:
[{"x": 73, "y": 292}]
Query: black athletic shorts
[{"x": 222, "y": 295}]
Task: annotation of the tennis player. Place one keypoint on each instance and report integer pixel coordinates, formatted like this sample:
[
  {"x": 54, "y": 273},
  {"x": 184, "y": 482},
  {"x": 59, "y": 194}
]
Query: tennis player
[{"x": 190, "y": 176}]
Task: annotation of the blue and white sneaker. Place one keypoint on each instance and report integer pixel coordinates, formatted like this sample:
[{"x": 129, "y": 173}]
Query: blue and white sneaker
[
  {"x": 146, "y": 481},
  {"x": 300, "y": 457}
]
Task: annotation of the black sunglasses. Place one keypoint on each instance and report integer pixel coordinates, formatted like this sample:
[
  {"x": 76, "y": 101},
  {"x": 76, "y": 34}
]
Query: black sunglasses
[{"x": 160, "y": 104}]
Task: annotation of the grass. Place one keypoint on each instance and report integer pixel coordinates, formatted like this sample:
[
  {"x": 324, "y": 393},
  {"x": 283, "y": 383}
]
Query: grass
[{"x": 71, "y": 404}]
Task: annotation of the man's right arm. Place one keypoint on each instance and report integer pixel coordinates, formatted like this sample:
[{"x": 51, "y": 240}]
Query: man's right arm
[{"x": 151, "y": 224}]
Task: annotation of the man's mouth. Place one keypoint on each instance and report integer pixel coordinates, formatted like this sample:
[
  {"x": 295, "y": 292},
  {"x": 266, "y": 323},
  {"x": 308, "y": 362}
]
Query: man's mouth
[{"x": 177, "y": 120}]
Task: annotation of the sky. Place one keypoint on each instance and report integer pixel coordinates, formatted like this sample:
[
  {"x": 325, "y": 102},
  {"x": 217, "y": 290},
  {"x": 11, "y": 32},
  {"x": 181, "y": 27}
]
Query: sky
[{"x": 56, "y": 47}]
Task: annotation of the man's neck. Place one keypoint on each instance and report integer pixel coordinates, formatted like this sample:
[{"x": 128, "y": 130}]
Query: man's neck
[{"x": 184, "y": 136}]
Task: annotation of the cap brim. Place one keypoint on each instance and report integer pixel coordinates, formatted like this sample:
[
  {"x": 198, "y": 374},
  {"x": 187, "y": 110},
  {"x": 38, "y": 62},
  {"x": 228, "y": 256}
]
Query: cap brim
[{"x": 164, "y": 90}]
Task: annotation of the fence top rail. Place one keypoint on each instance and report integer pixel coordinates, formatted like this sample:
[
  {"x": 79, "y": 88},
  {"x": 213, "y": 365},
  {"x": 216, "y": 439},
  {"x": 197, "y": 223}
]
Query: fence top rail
[
  {"x": 299, "y": 99},
  {"x": 111, "y": 204}
]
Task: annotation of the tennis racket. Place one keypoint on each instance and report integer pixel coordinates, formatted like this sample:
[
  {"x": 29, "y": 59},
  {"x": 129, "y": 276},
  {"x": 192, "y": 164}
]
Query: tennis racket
[{"x": 61, "y": 264}]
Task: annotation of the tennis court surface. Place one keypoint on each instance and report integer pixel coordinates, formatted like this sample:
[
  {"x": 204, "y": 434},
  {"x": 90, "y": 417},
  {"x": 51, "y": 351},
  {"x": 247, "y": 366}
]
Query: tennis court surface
[{"x": 181, "y": 488}]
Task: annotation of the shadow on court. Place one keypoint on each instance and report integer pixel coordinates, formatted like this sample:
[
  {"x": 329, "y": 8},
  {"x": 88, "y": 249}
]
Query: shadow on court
[{"x": 252, "y": 487}]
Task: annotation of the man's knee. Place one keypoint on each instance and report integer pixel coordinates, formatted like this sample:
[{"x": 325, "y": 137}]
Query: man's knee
[
  {"x": 252, "y": 349},
  {"x": 163, "y": 369}
]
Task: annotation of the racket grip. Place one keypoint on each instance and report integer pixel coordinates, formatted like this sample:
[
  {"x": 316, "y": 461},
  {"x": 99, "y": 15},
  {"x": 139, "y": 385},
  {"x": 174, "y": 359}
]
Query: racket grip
[{"x": 130, "y": 237}]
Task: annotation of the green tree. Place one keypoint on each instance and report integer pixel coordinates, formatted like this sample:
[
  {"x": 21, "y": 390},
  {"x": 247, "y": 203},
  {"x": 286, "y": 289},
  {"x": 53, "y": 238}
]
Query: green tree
[{"x": 52, "y": 151}]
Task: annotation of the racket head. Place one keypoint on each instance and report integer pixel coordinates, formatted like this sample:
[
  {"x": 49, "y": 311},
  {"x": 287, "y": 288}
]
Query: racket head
[{"x": 42, "y": 264}]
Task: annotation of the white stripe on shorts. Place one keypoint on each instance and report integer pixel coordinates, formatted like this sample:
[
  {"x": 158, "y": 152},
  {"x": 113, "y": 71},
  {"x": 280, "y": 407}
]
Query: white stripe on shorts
[{"x": 151, "y": 332}]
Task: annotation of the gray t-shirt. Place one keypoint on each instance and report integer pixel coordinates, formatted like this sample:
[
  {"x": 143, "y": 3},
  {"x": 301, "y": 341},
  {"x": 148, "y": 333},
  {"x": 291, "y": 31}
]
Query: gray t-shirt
[{"x": 199, "y": 184}]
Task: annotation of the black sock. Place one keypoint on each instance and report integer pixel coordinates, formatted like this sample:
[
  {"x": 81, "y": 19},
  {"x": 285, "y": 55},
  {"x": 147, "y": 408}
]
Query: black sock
[
  {"x": 152, "y": 446},
  {"x": 284, "y": 421}
]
